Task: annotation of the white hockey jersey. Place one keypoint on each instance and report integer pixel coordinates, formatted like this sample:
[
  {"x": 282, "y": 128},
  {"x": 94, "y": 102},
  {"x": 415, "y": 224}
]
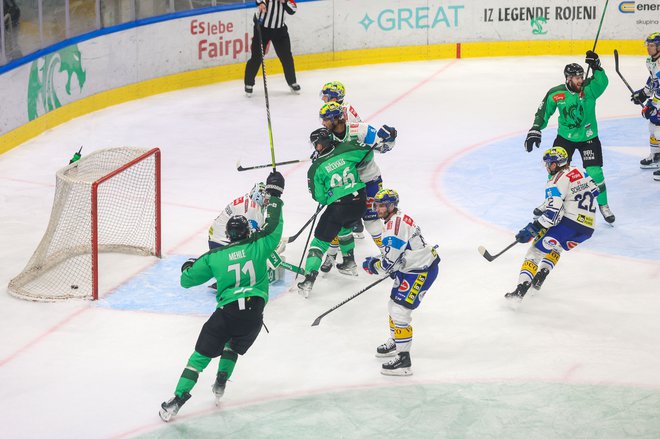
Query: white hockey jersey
[
  {"x": 240, "y": 206},
  {"x": 350, "y": 114},
  {"x": 402, "y": 236},
  {"x": 365, "y": 134},
  {"x": 571, "y": 194},
  {"x": 653, "y": 82}
]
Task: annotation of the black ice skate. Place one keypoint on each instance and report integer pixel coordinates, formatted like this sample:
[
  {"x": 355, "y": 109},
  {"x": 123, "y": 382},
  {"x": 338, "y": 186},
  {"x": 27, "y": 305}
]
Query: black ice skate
[
  {"x": 348, "y": 266},
  {"x": 387, "y": 349},
  {"x": 219, "y": 386},
  {"x": 328, "y": 263},
  {"x": 520, "y": 292},
  {"x": 538, "y": 280},
  {"x": 170, "y": 408},
  {"x": 656, "y": 175},
  {"x": 398, "y": 366},
  {"x": 295, "y": 88},
  {"x": 607, "y": 213},
  {"x": 248, "y": 90},
  {"x": 650, "y": 162},
  {"x": 305, "y": 287}
]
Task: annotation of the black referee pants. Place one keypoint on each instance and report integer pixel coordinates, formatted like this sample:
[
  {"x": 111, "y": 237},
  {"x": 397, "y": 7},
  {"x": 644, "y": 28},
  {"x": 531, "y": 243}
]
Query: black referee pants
[{"x": 281, "y": 44}]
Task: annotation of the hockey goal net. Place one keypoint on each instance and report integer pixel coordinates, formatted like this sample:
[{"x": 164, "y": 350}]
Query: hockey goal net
[{"x": 108, "y": 201}]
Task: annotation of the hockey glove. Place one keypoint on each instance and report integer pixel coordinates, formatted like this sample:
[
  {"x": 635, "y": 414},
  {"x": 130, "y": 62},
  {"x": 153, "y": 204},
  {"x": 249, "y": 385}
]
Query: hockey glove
[
  {"x": 592, "y": 60},
  {"x": 638, "y": 97},
  {"x": 649, "y": 110},
  {"x": 370, "y": 265},
  {"x": 530, "y": 231},
  {"x": 533, "y": 139},
  {"x": 275, "y": 184},
  {"x": 189, "y": 263},
  {"x": 388, "y": 134},
  {"x": 384, "y": 147}
]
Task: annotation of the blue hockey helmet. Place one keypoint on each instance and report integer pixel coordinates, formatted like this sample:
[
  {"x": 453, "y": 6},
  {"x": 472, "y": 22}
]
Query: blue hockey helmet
[
  {"x": 331, "y": 110},
  {"x": 333, "y": 90},
  {"x": 653, "y": 38},
  {"x": 557, "y": 155},
  {"x": 237, "y": 228},
  {"x": 388, "y": 197}
]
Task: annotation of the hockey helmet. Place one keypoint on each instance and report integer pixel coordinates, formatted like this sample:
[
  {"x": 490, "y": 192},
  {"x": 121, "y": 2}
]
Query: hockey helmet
[
  {"x": 258, "y": 194},
  {"x": 237, "y": 228},
  {"x": 322, "y": 136},
  {"x": 333, "y": 90},
  {"x": 557, "y": 155},
  {"x": 653, "y": 38},
  {"x": 388, "y": 197},
  {"x": 573, "y": 69},
  {"x": 331, "y": 110}
]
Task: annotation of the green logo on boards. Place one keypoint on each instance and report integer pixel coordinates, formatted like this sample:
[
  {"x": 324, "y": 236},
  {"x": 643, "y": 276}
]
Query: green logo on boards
[
  {"x": 45, "y": 78},
  {"x": 537, "y": 25}
]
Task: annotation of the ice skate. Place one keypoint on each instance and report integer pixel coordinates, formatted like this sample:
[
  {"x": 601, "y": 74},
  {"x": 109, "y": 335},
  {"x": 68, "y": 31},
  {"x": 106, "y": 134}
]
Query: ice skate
[
  {"x": 538, "y": 280},
  {"x": 219, "y": 386},
  {"x": 295, "y": 88},
  {"x": 656, "y": 175},
  {"x": 607, "y": 213},
  {"x": 519, "y": 293},
  {"x": 328, "y": 263},
  {"x": 387, "y": 349},
  {"x": 348, "y": 266},
  {"x": 650, "y": 162},
  {"x": 305, "y": 287},
  {"x": 398, "y": 366},
  {"x": 170, "y": 408},
  {"x": 248, "y": 90}
]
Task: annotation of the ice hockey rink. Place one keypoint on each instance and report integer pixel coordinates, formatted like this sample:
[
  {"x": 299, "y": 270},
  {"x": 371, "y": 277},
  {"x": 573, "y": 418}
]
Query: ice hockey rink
[{"x": 580, "y": 358}]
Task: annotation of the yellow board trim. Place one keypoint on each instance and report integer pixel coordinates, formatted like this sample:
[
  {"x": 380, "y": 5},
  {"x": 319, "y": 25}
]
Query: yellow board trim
[{"x": 308, "y": 62}]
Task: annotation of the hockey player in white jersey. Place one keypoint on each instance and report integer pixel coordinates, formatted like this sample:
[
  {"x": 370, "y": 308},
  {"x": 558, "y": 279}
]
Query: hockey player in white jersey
[
  {"x": 337, "y": 119},
  {"x": 251, "y": 205},
  {"x": 569, "y": 219},
  {"x": 649, "y": 97},
  {"x": 413, "y": 264}
]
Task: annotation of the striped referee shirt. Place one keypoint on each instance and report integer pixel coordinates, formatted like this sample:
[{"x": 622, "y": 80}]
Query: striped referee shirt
[{"x": 273, "y": 18}]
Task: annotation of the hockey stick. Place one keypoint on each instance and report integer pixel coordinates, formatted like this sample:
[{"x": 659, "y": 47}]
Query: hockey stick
[
  {"x": 248, "y": 168},
  {"x": 302, "y": 257},
  {"x": 371, "y": 285},
  {"x": 294, "y": 237},
  {"x": 257, "y": 25},
  {"x": 616, "y": 67},
  {"x": 490, "y": 258},
  {"x": 597, "y": 34}
]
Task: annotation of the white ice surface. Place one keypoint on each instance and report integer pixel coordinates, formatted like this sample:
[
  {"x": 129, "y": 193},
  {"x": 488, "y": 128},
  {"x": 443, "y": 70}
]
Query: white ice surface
[{"x": 578, "y": 359}]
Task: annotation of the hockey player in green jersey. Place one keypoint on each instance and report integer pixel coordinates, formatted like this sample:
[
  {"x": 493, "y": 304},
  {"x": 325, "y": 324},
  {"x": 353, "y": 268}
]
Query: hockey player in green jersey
[
  {"x": 334, "y": 181},
  {"x": 241, "y": 274},
  {"x": 578, "y": 129}
]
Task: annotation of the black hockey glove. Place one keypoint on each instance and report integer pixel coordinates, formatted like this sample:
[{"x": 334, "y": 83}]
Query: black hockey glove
[
  {"x": 530, "y": 231},
  {"x": 533, "y": 139},
  {"x": 189, "y": 263},
  {"x": 275, "y": 184},
  {"x": 592, "y": 60},
  {"x": 638, "y": 97}
]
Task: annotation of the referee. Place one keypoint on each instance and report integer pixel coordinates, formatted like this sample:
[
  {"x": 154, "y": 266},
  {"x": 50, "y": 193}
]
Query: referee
[{"x": 271, "y": 17}]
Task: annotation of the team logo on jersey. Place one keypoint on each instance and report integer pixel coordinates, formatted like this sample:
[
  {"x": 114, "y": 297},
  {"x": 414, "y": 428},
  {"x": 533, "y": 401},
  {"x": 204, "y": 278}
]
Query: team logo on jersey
[
  {"x": 238, "y": 201},
  {"x": 407, "y": 220},
  {"x": 574, "y": 175},
  {"x": 405, "y": 286},
  {"x": 559, "y": 97}
]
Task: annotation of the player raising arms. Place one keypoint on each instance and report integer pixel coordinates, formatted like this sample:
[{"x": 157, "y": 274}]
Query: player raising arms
[
  {"x": 578, "y": 129},
  {"x": 649, "y": 96},
  {"x": 414, "y": 265},
  {"x": 568, "y": 220}
]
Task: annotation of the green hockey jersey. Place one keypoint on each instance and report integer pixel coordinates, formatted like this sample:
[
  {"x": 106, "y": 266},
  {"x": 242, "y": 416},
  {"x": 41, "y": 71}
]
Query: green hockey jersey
[{"x": 240, "y": 268}]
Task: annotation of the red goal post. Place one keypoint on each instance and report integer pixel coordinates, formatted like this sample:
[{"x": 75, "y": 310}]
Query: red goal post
[{"x": 108, "y": 201}]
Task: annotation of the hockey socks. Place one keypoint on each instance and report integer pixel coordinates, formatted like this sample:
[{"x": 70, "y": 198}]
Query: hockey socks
[
  {"x": 227, "y": 362},
  {"x": 596, "y": 173},
  {"x": 196, "y": 364}
]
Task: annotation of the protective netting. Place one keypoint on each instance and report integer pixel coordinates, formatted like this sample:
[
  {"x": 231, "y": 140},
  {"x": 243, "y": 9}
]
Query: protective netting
[{"x": 107, "y": 201}]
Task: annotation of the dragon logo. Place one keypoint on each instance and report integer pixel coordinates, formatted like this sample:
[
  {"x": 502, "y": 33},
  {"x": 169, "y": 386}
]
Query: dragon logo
[
  {"x": 42, "y": 89},
  {"x": 537, "y": 25}
]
